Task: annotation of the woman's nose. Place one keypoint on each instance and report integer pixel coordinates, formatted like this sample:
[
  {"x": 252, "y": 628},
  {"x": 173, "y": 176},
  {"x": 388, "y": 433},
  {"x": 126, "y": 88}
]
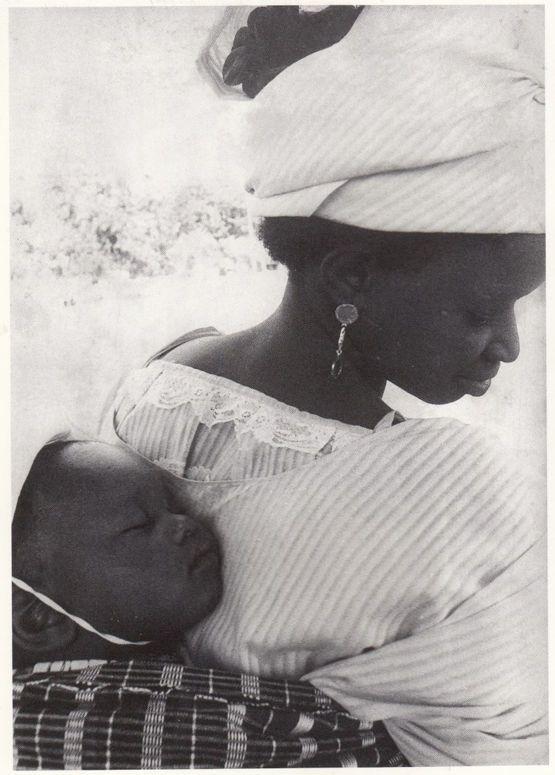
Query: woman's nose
[{"x": 505, "y": 343}]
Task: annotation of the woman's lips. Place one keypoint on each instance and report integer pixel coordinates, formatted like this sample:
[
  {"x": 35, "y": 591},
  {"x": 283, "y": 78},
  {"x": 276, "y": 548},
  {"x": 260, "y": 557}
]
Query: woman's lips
[{"x": 474, "y": 387}]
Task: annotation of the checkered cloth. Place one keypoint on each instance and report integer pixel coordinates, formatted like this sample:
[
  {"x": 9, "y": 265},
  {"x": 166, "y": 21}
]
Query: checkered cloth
[{"x": 148, "y": 714}]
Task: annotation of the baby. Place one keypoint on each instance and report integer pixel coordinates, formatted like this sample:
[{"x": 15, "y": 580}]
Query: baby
[
  {"x": 111, "y": 539},
  {"x": 106, "y": 557},
  {"x": 108, "y": 564}
]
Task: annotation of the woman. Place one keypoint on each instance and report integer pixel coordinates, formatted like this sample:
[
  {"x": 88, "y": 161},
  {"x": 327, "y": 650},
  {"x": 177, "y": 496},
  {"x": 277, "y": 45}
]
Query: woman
[{"x": 394, "y": 165}]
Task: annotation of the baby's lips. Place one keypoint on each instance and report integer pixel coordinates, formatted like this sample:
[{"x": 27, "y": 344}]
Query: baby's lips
[{"x": 206, "y": 552}]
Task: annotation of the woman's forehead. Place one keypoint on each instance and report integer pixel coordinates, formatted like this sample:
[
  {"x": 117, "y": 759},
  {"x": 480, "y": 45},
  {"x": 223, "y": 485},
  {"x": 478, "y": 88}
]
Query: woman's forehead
[{"x": 501, "y": 267}]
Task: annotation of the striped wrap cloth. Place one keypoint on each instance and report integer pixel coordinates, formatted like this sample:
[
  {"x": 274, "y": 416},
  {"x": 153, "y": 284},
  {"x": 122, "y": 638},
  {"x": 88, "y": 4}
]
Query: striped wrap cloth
[
  {"x": 152, "y": 714},
  {"x": 403, "y": 574}
]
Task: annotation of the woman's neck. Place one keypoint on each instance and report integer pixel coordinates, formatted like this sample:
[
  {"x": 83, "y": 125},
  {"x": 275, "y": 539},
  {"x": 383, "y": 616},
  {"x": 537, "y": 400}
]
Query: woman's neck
[{"x": 289, "y": 355}]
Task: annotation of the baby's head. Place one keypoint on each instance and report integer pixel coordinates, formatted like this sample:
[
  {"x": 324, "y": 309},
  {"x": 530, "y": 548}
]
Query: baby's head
[{"x": 105, "y": 534}]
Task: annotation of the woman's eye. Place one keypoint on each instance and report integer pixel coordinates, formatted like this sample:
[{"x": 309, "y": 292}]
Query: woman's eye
[{"x": 477, "y": 319}]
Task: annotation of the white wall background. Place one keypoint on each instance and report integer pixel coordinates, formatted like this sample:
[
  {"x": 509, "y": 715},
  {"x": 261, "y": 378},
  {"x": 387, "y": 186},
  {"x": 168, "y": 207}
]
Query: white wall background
[
  {"x": 117, "y": 89},
  {"x": 114, "y": 92}
]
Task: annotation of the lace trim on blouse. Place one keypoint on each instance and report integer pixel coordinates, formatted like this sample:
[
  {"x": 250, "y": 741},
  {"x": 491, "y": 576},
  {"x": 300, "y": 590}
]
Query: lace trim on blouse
[{"x": 215, "y": 400}]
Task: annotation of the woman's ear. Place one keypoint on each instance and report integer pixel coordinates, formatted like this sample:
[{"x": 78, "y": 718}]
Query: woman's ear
[
  {"x": 37, "y": 629},
  {"x": 347, "y": 275}
]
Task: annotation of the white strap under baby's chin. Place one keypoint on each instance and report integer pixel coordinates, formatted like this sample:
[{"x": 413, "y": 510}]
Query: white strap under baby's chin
[{"x": 77, "y": 619}]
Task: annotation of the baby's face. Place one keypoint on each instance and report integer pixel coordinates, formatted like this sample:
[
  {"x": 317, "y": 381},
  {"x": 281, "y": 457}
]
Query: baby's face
[{"x": 126, "y": 556}]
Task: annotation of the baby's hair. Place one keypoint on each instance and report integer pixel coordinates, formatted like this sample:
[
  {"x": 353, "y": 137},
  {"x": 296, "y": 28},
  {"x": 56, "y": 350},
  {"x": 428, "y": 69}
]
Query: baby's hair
[
  {"x": 32, "y": 521},
  {"x": 29, "y": 523},
  {"x": 277, "y": 36}
]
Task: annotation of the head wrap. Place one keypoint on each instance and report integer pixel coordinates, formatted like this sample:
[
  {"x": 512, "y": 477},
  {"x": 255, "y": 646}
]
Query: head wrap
[
  {"x": 422, "y": 118},
  {"x": 77, "y": 619}
]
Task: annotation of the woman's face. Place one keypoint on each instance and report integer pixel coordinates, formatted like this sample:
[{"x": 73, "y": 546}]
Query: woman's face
[{"x": 442, "y": 331}]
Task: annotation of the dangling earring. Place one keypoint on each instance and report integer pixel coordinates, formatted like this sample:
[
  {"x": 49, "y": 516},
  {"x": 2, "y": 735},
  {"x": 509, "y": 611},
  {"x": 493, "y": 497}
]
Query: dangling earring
[{"x": 345, "y": 314}]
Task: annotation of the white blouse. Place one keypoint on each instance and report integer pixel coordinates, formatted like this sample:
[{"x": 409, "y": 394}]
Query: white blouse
[{"x": 208, "y": 428}]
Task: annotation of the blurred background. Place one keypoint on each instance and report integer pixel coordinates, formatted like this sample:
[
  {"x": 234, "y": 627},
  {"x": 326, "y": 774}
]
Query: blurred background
[{"x": 128, "y": 227}]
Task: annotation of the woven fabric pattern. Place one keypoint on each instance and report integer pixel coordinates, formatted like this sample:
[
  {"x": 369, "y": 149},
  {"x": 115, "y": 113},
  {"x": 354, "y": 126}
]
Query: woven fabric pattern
[{"x": 153, "y": 714}]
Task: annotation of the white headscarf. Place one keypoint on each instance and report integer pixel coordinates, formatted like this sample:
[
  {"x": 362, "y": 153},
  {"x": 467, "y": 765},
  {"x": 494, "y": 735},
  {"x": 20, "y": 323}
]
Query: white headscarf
[{"x": 423, "y": 118}]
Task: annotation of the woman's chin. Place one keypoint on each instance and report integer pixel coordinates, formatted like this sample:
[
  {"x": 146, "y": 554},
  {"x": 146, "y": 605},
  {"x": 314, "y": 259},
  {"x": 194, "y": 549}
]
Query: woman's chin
[
  {"x": 474, "y": 387},
  {"x": 462, "y": 387},
  {"x": 454, "y": 390}
]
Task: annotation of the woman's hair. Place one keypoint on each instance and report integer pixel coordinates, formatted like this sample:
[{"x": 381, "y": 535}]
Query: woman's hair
[
  {"x": 276, "y": 37},
  {"x": 298, "y": 242}
]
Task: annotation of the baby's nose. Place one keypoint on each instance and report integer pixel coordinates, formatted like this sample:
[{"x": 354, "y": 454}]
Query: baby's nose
[{"x": 184, "y": 528}]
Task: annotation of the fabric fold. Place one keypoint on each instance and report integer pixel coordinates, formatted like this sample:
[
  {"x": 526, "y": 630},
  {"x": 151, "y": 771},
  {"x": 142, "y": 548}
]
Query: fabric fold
[{"x": 415, "y": 685}]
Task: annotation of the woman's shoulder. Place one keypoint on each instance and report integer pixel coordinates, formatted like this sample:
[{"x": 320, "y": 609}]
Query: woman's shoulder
[
  {"x": 420, "y": 449},
  {"x": 457, "y": 479},
  {"x": 210, "y": 352},
  {"x": 182, "y": 349},
  {"x": 450, "y": 438},
  {"x": 442, "y": 428}
]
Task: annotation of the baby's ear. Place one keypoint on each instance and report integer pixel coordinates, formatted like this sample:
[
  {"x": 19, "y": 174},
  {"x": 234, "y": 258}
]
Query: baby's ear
[{"x": 37, "y": 629}]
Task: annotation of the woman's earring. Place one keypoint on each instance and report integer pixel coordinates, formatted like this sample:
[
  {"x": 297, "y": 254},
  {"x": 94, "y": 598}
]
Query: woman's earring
[{"x": 345, "y": 314}]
